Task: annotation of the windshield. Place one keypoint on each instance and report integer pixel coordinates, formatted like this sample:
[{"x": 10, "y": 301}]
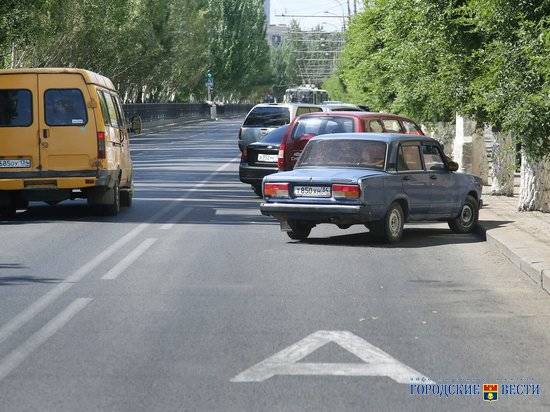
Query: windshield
[
  {"x": 366, "y": 154},
  {"x": 276, "y": 136},
  {"x": 323, "y": 125},
  {"x": 268, "y": 117}
]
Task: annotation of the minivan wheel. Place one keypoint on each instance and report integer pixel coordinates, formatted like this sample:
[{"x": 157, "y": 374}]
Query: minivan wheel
[
  {"x": 390, "y": 229},
  {"x": 300, "y": 230},
  {"x": 467, "y": 219},
  {"x": 126, "y": 197},
  {"x": 258, "y": 190},
  {"x": 112, "y": 209}
]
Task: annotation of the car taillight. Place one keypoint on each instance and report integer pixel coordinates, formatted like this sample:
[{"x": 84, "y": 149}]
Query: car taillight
[
  {"x": 346, "y": 191},
  {"x": 101, "y": 145},
  {"x": 244, "y": 155},
  {"x": 276, "y": 190},
  {"x": 281, "y": 157}
]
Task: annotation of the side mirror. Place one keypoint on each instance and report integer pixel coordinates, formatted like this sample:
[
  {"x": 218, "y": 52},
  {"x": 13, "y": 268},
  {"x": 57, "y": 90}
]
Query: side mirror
[{"x": 452, "y": 165}]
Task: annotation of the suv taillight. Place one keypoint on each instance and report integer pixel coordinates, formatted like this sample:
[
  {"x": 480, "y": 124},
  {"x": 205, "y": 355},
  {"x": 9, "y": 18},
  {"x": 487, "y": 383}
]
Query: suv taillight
[
  {"x": 281, "y": 157},
  {"x": 101, "y": 145},
  {"x": 244, "y": 155},
  {"x": 346, "y": 191},
  {"x": 276, "y": 190},
  {"x": 240, "y": 133}
]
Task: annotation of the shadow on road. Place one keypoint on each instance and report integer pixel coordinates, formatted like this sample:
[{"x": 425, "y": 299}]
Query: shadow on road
[{"x": 23, "y": 280}]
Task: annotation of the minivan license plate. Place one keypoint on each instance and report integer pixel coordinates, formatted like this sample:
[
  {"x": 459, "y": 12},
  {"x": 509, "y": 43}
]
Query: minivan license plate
[
  {"x": 15, "y": 163},
  {"x": 312, "y": 191},
  {"x": 267, "y": 158}
]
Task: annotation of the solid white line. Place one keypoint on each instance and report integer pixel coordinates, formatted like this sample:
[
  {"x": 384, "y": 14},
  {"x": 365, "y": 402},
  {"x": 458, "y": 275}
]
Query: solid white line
[
  {"x": 17, "y": 356},
  {"x": 129, "y": 259},
  {"x": 53, "y": 294},
  {"x": 176, "y": 218}
]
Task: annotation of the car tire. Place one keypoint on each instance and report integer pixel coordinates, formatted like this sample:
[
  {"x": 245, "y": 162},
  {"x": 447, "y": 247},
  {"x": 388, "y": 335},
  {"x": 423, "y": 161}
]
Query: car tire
[
  {"x": 126, "y": 197},
  {"x": 390, "y": 229},
  {"x": 299, "y": 230},
  {"x": 8, "y": 212},
  {"x": 467, "y": 219},
  {"x": 258, "y": 190}
]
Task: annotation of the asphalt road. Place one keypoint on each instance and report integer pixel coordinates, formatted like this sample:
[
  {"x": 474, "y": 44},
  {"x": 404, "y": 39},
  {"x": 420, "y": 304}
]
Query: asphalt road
[{"x": 167, "y": 306}]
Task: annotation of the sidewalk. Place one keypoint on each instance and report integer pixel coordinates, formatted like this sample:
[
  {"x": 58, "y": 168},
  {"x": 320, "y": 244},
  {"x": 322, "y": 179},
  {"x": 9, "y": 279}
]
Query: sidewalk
[{"x": 523, "y": 237}]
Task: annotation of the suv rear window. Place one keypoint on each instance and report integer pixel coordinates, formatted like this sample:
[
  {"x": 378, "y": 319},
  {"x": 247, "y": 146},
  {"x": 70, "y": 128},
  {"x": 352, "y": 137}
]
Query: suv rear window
[
  {"x": 15, "y": 108},
  {"x": 65, "y": 107},
  {"x": 366, "y": 154},
  {"x": 323, "y": 125},
  {"x": 268, "y": 117}
]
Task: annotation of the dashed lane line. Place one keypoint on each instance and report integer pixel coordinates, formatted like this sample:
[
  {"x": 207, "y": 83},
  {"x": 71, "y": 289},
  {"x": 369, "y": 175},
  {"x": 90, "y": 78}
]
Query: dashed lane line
[{"x": 125, "y": 263}]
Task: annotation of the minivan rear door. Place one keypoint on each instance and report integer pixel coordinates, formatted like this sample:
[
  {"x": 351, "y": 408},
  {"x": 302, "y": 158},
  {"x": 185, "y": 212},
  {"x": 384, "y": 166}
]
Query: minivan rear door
[
  {"x": 68, "y": 140},
  {"x": 19, "y": 113}
]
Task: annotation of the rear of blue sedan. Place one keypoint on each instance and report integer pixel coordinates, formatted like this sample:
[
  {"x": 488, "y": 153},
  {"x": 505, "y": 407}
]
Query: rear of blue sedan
[{"x": 338, "y": 179}]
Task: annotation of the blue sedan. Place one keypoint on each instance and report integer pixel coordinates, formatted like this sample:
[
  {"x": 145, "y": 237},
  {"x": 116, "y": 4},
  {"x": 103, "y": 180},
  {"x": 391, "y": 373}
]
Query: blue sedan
[{"x": 378, "y": 180}]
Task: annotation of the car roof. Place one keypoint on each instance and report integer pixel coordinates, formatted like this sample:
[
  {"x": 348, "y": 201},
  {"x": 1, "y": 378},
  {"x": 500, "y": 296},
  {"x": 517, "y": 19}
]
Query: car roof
[
  {"x": 362, "y": 115},
  {"x": 89, "y": 77},
  {"x": 378, "y": 137}
]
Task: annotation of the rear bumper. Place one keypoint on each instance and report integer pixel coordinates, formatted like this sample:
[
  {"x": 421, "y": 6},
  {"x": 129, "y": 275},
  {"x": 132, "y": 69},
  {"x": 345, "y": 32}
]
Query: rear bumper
[
  {"x": 57, "y": 180},
  {"x": 321, "y": 213},
  {"x": 254, "y": 174}
]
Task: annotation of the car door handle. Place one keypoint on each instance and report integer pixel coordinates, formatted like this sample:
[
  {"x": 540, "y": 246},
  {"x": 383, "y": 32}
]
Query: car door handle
[{"x": 433, "y": 177}]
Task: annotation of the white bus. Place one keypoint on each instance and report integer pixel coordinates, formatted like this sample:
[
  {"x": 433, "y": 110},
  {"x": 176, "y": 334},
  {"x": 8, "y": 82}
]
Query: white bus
[{"x": 306, "y": 94}]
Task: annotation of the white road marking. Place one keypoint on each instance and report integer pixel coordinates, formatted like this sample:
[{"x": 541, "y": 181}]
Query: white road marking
[
  {"x": 377, "y": 362},
  {"x": 17, "y": 356},
  {"x": 231, "y": 212},
  {"x": 53, "y": 294},
  {"x": 125, "y": 263},
  {"x": 176, "y": 219}
]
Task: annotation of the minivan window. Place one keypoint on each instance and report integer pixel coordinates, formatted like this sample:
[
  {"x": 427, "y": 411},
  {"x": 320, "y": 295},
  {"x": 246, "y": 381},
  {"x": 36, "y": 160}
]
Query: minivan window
[
  {"x": 268, "y": 117},
  {"x": 120, "y": 112},
  {"x": 323, "y": 125},
  {"x": 104, "y": 108},
  {"x": 366, "y": 154},
  {"x": 276, "y": 136},
  {"x": 15, "y": 108},
  {"x": 112, "y": 110},
  {"x": 65, "y": 107}
]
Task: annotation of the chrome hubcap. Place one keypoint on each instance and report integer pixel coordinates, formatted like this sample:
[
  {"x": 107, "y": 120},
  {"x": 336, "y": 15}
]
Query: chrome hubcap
[
  {"x": 467, "y": 215},
  {"x": 395, "y": 223}
]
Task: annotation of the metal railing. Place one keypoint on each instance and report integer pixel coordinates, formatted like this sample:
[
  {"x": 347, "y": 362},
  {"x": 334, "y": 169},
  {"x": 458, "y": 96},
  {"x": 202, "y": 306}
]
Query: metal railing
[{"x": 166, "y": 112}]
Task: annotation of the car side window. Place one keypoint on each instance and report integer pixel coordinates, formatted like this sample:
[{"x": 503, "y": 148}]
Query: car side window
[
  {"x": 391, "y": 125},
  {"x": 375, "y": 126},
  {"x": 432, "y": 158},
  {"x": 409, "y": 159},
  {"x": 301, "y": 110},
  {"x": 315, "y": 109},
  {"x": 411, "y": 128}
]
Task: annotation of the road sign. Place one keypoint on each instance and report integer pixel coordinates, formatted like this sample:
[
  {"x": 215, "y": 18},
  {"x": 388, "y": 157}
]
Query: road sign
[{"x": 376, "y": 361}]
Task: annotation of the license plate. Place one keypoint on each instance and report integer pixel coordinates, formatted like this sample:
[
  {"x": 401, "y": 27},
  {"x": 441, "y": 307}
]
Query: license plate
[
  {"x": 15, "y": 163},
  {"x": 312, "y": 191},
  {"x": 267, "y": 158}
]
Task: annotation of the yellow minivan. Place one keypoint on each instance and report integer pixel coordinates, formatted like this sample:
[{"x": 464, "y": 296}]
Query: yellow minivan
[{"x": 63, "y": 136}]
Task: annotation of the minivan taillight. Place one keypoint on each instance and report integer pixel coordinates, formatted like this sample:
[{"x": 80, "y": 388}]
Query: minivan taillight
[
  {"x": 281, "y": 157},
  {"x": 240, "y": 133},
  {"x": 244, "y": 155},
  {"x": 346, "y": 191},
  {"x": 276, "y": 190},
  {"x": 101, "y": 145}
]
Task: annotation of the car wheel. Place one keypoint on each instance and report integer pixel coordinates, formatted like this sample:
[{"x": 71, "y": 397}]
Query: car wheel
[
  {"x": 300, "y": 230},
  {"x": 52, "y": 202},
  {"x": 466, "y": 221},
  {"x": 390, "y": 229},
  {"x": 258, "y": 190},
  {"x": 8, "y": 212}
]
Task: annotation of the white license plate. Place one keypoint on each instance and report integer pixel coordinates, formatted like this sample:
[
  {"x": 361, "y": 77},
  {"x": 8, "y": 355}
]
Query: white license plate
[
  {"x": 15, "y": 163},
  {"x": 312, "y": 191},
  {"x": 267, "y": 158}
]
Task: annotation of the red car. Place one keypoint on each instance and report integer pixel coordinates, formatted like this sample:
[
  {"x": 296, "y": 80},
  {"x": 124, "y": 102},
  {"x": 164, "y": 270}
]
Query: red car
[{"x": 303, "y": 128}]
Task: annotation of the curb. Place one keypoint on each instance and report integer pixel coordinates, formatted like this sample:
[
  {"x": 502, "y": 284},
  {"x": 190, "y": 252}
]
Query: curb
[{"x": 538, "y": 271}]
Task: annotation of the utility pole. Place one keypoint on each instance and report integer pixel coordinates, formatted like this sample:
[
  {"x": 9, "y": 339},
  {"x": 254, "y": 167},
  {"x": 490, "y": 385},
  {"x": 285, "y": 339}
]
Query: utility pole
[
  {"x": 349, "y": 10},
  {"x": 354, "y": 7},
  {"x": 12, "y": 65}
]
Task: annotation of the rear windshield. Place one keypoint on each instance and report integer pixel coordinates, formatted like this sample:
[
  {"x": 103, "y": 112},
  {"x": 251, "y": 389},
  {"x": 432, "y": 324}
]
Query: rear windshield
[
  {"x": 344, "y": 153},
  {"x": 268, "y": 117},
  {"x": 314, "y": 126},
  {"x": 15, "y": 108},
  {"x": 276, "y": 136},
  {"x": 65, "y": 107}
]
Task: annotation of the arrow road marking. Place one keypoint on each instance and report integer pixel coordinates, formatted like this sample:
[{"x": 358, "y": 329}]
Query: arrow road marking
[{"x": 377, "y": 362}]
